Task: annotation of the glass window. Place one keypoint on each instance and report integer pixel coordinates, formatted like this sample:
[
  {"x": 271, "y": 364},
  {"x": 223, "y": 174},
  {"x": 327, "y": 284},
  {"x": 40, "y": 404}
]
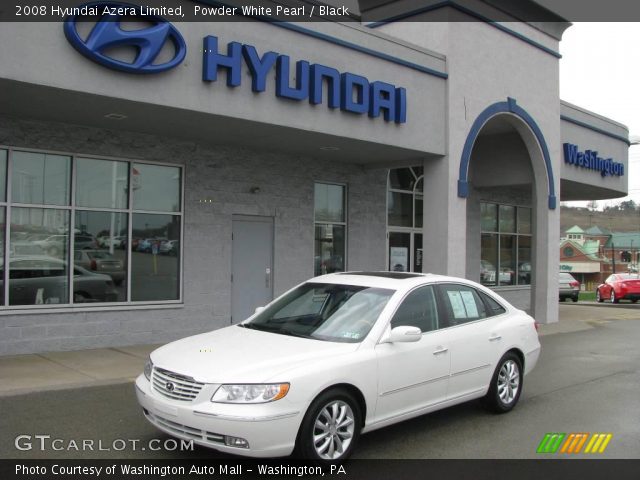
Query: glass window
[
  {"x": 155, "y": 271},
  {"x": 488, "y": 258},
  {"x": 507, "y": 275},
  {"x": 507, "y": 217},
  {"x": 489, "y": 217},
  {"x": 40, "y": 178},
  {"x": 418, "y": 309},
  {"x": 419, "y": 202},
  {"x": 524, "y": 260},
  {"x": 102, "y": 183},
  {"x": 494, "y": 307},
  {"x": 462, "y": 304},
  {"x": 100, "y": 247},
  {"x": 401, "y": 179},
  {"x": 417, "y": 252},
  {"x": 505, "y": 259},
  {"x": 38, "y": 264},
  {"x": 156, "y": 188},
  {"x": 329, "y": 203},
  {"x": 2, "y": 224},
  {"x": 400, "y": 209},
  {"x": 330, "y": 247},
  {"x": 3, "y": 175},
  {"x": 524, "y": 220}
]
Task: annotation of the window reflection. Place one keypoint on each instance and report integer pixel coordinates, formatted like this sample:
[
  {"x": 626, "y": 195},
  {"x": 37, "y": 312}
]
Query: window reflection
[
  {"x": 38, "y": 264},
  {"x": 329, "y": 202},
  {"x": 40, "y": 178},
  {"x": 100, "y": 246},
  {"x": 155, "y": 259},
  {"x": 330, "y": 247},
  {"x": 102, "y": 183},
  {"x": 3, "y": 175},
  {"x": 156, "y": 188}
]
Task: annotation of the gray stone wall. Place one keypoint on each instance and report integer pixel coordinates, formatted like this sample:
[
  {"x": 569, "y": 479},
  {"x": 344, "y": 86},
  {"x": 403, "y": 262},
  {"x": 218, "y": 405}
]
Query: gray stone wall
[{"x": 223, "y": 175}]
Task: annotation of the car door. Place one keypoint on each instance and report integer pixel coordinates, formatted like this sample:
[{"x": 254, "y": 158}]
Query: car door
[
  {"x": 413, "y": 375},
  {"x": 475, "y": 339}
]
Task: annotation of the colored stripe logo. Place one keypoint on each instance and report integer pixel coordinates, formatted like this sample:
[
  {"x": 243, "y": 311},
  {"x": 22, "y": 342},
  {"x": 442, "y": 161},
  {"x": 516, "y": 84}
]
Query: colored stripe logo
[{"x": 573, "y": 443}]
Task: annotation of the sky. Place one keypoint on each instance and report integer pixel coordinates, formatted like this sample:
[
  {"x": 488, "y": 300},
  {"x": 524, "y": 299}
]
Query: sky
[{"x": 599, "y": 71}]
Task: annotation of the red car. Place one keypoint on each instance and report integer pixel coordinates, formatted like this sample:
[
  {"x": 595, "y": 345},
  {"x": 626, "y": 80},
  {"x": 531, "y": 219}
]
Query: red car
[{"x": 619, "y": 286}]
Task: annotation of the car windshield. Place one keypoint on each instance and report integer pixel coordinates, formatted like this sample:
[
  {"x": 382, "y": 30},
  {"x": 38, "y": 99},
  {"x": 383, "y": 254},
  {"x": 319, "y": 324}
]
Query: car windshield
[
  {"x": 330, "y": 312},
  {"x": 629, "y": 276}
]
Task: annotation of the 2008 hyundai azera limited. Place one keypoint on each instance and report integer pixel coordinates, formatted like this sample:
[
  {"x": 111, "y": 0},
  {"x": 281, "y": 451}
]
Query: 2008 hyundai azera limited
[{"x": 337, "y": 356}]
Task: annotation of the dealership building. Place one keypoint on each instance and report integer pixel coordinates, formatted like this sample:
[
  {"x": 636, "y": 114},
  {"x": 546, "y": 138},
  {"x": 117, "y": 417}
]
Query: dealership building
[{"x": 157, "y": 188}]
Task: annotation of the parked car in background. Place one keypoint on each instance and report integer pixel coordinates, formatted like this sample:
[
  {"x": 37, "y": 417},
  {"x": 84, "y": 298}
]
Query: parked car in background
[
  {"x": 101, "y": 261},
  {"x": 337, "y": 356},
  {"x": 170, "y": 247},
  {"x": 568, "y": 287},
  {"x": 21, "y": 248},
  {"x": 37, "y": 279},
  {"x": 147, "y": 244},
  {"x": 619, "y": 286}
]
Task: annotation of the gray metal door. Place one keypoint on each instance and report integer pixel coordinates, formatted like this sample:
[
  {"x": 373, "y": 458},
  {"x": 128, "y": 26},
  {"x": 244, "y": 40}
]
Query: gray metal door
[{"x": 252, "y": 265}]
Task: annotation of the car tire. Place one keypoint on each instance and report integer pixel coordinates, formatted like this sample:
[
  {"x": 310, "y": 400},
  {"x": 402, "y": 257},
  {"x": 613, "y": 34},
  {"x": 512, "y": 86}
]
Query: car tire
[
  {"x": 81, "y": 297},
  {"x": 599, "y": 298},
  {"x": 334, "y": 418},
  {"x": 506, "y": 384},
  {"x": 575, "y": 299},
  {"x": 613, "y": 296}
]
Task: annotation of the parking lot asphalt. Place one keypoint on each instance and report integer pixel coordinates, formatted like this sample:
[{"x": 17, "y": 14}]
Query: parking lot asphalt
[{"x": 587, "y": 380}]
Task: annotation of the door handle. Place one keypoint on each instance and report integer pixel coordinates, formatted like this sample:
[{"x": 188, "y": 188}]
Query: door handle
[
  {"x": 440, "y": 350},
  {"x": 493, "y": 338},
  {"x": 267, "y": 279}
]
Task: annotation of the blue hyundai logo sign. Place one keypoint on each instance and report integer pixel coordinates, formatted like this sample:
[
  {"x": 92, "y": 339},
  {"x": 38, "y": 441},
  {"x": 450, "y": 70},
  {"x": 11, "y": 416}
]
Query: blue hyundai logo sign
[{"x": 108, "y": 34}]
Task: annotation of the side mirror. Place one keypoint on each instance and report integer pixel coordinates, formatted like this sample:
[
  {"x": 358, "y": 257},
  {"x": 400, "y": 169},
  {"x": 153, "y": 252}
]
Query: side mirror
[
  {"x": 404, "y": 334},
  {"x": 258, "y": 310}
]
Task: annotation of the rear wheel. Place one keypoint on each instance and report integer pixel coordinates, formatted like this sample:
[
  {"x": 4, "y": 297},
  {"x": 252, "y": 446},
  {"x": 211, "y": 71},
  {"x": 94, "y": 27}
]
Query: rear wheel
[
  {"x": 599, "y": 298},
  {"x": 506, "y": 384},
  {"x": 331, "y": 427},
  {"x": 613, "y": 296}
]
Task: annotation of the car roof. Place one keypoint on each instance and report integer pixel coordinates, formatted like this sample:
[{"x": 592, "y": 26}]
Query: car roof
[{"x": 384, "y": 279}]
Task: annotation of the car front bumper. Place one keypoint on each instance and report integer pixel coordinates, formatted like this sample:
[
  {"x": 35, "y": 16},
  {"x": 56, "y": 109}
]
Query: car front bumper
[{"x": 270, "y": 429}]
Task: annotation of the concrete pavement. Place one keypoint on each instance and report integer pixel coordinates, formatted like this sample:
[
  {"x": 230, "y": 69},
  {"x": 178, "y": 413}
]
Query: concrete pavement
[{"x": 20, "y": 374}]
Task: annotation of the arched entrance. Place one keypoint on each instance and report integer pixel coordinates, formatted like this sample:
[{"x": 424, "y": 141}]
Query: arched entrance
[{"x": 507, "y": 178}]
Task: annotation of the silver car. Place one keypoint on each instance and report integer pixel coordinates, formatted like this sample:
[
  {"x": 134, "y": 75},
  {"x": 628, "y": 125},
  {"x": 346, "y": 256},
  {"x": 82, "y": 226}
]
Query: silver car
[
  {"x": 38, "y": 279},
  {"x": 569, "y": 287}
]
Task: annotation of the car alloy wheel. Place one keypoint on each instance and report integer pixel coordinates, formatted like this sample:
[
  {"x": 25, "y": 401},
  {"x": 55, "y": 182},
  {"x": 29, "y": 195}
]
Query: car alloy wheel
[
  {"x": 333, "y": 430},
  {"x": 330, "y": 428},
  {"x": 613, "y": 296},
  {"x": 506, "y": 384},
  {"x": 599, "y": 298},
  {"x": 508, "y": 381}
]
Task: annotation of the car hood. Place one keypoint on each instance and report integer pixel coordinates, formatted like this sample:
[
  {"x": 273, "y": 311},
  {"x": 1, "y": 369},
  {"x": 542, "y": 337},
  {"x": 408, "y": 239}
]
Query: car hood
[{"x": 235, "y": 355}]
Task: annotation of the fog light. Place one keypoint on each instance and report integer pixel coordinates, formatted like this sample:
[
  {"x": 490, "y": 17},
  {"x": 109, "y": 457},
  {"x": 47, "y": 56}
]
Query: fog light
[{"x": 235, "y": 442}]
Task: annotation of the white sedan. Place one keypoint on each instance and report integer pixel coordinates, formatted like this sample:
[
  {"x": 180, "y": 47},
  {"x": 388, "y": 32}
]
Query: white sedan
[{"x": 337, "y": 356}]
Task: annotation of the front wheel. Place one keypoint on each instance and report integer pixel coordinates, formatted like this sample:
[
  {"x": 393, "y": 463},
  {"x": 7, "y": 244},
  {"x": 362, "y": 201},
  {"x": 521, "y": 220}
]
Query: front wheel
[
  {"x": 331, "y": 427},
  {"x": 506, "y": 384},
  {"x": 613, "y": 296}
]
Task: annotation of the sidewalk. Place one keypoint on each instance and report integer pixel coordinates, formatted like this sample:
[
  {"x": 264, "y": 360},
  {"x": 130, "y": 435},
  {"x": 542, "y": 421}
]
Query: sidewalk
[{"x": 21, "y": 374}]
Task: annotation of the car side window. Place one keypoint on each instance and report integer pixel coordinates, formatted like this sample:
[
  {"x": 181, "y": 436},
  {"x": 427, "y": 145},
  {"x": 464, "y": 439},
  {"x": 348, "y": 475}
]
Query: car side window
[
  {"x": 493, "y": 307},
  {"x": 462, "y": 303},
  {"x": 418, "y": 309}
]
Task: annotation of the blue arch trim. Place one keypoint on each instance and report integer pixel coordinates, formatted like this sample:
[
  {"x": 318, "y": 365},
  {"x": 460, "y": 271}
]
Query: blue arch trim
[{"x": 510, "y": 106}]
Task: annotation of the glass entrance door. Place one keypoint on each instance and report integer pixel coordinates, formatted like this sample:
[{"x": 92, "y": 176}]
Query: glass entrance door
[{"x": 405, "y": 252}]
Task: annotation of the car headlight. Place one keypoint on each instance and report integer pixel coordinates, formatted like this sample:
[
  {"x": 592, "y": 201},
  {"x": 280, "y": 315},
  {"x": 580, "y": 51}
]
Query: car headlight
[
  {"x": 253, "y": 393},
  {"x": 148, "y": 368}
]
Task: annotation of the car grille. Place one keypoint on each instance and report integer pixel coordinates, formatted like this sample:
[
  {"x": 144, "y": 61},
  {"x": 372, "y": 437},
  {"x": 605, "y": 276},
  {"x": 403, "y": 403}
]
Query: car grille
[
  {"x": 184, "y": 430},
  {"x": 175, "y": 386}
]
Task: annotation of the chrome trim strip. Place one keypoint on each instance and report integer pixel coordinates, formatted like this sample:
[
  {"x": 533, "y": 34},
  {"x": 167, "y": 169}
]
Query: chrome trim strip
[
  {"x": 469, "y": 370},
  {"x": 266, "y": 418},
  {"x": 413, "y": 385}
]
